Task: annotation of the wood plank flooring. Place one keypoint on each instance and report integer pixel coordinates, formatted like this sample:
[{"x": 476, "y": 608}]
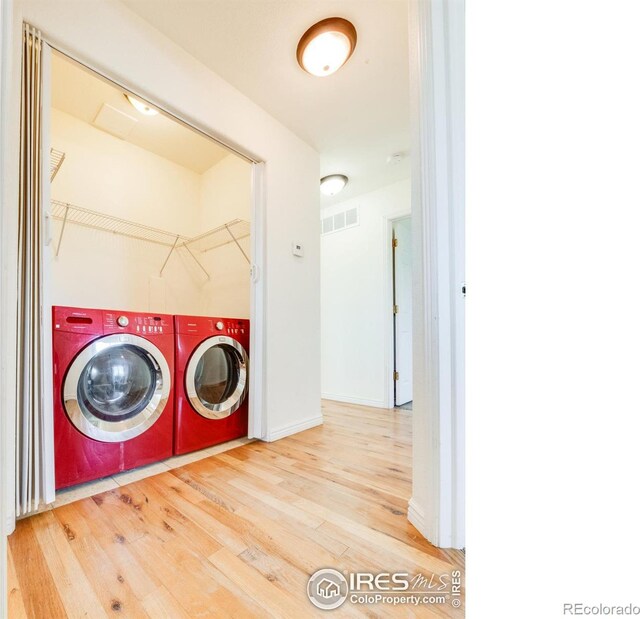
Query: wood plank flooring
[{"x": 237, "y": 534}]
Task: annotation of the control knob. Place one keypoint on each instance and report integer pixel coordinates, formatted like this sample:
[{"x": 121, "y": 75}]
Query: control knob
[
  {"x": 123, "y": 321},
  {"x": 219, "y": 325}
]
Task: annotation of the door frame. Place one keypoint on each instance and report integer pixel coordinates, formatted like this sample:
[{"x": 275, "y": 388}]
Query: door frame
[
  {"x": 437, "y": 78},
  {"x": 257, "y": 312},
  {"x": 387, "y": 226}
]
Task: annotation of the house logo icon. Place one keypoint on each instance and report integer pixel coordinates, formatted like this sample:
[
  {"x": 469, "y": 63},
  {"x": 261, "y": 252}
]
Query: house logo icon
[{"x": 327, "y": 589}]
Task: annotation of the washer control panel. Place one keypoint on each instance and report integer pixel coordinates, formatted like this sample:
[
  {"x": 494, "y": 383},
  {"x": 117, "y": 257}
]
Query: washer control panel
[{"x": 138, "y": 323}]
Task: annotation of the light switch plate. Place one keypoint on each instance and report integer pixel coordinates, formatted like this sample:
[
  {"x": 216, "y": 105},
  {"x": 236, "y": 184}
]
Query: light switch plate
[{"x": 297, "y": 249}]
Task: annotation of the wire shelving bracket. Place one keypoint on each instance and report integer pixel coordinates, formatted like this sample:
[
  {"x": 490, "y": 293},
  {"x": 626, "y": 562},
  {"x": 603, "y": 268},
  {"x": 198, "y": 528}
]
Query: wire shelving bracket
[
  {"x": 230, "y": 232},
  {"x": 56, "y": 158}
]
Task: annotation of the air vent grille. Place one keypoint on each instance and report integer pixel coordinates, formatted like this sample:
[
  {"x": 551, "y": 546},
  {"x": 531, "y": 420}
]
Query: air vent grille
[{"x": 340, "y": 221}]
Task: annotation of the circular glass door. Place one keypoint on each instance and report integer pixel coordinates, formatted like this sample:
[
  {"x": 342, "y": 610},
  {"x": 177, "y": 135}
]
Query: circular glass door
[
  {"x": 116, "y": 388},
  {"x": 216, "y": 377}
]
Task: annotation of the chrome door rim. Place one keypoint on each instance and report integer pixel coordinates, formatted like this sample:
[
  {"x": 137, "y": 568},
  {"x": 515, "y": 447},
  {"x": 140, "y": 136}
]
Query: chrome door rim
[
  {"x": 234, "y": 401},
  {"x": 115, "y": 431}
]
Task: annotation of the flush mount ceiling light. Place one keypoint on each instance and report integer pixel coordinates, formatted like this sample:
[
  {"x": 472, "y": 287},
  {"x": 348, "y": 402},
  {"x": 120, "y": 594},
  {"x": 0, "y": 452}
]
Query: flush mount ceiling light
[
  {"x": 333, "y": 184},
  {"x": 326, "y": 46},
  {"x": 143, "y": 108}
]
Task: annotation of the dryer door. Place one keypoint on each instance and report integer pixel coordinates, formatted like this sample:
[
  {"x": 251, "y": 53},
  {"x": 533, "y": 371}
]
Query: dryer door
[
  {"x": 216, "y": 377},
  {"x": 116, "y": 388}
]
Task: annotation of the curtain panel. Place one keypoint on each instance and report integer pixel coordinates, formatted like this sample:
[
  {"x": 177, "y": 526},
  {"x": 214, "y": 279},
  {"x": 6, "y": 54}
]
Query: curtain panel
[{"x": 33, "y": 469}]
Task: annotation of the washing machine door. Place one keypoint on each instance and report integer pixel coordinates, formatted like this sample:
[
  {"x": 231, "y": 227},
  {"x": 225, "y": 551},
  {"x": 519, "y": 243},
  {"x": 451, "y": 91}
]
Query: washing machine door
[
  {"x": 116, "y": 388},
  {"x": 216, "y": 377}
]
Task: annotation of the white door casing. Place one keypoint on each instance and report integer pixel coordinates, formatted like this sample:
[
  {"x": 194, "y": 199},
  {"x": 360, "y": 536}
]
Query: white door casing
[
  {"x": 257, "y": 334},
  {"x": 436, "y": 42}
]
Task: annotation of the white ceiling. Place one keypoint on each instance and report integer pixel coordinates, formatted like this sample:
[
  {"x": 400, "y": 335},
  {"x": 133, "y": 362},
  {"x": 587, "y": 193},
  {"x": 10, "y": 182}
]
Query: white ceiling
[
  {"x": 354, "y": 118},
  {"x": 82, "y": 94}
]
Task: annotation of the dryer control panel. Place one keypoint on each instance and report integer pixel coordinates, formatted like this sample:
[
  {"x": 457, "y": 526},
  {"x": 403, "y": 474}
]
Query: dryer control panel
[
  {"x": 233, "y": 326},
  {"x": 202, "y": 325},
  {"x": 139, "y": 324}
]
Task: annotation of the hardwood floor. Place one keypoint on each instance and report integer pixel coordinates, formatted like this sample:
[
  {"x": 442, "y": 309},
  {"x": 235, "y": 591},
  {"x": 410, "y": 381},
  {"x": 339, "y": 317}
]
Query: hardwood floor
[{"x": 237, "y": 534}]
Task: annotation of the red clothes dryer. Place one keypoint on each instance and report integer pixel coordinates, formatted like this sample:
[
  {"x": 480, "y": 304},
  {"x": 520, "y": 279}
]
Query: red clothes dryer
[
  {"x": 113, "y": 397},
  {"x": 211, "y": 381}
]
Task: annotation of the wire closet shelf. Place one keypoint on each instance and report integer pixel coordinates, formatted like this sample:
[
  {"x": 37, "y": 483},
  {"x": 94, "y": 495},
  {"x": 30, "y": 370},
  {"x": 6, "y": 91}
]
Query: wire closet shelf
[{"x": 229, "y": 232}]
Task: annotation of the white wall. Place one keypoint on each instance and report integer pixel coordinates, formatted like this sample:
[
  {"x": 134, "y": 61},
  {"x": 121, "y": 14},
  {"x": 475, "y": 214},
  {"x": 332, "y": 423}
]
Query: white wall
[
  {"x": 112, "y": 176},
  {"x": 112, "y": 39},
  {"x": 99, "y": 269},
  {"x": 356, "y": 308},
  {"x": 225, "y": 194},
  {"x": 104, "y": 173}
]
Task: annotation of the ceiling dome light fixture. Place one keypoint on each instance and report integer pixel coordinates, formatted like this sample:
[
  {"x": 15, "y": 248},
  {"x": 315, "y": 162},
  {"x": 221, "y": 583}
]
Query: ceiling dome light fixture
[
  {"x": 326, "y": 46},
  {"x": 143, "y": 108},
  {"x": 333, "y": 184}
]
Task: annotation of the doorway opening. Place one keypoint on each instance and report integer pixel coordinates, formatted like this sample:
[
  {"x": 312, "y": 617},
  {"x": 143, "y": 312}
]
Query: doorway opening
[
  {"x": 402, "y": 313},
  {"x": 150, "y": 220}
]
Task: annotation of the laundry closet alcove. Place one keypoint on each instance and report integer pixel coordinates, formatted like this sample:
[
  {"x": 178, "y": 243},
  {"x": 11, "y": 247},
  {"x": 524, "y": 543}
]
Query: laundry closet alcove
[{"x": 146, "y": 264}]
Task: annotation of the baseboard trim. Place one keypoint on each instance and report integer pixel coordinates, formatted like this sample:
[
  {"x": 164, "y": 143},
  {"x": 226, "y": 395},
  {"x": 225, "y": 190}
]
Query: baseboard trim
[
  {"x": 293, "y": 428},
  {"x": 350, "y": 400},
  {"x": 10, "y": 525},
  {"x": 415, "y": 515}
]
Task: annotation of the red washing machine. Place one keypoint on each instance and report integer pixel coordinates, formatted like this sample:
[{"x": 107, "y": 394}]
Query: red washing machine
[
  {"x": 211, "y": 381},
  {"x": 113, "y": 397}
]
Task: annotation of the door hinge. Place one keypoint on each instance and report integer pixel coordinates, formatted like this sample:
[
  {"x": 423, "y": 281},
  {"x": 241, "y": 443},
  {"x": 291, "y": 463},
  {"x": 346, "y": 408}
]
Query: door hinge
[
  {"x": 396, "y": 376},
  {"x": 395, "y": 309},
  {"x": 394, "y": 243}
]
